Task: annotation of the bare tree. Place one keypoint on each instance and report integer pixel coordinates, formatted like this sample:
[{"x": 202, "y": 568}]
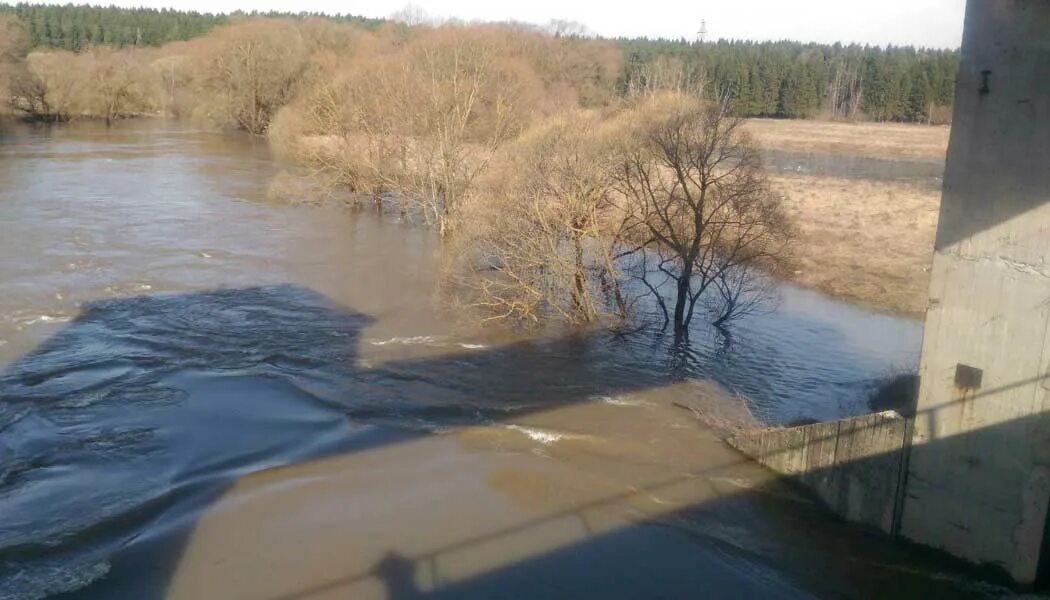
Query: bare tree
[
  {"x": 47, "y": 89},
  {"x": 845, "y": 91},
  {"x": 411, "y": 15},
  {"x": 699, "y": 206},
  {"x": 28, "y": 96},
  {"x": 253, "y": 71},
  {"x": 666, "y": 74},
  {"x": 114, "y": 84},
  {"x": 560, "y": 28}
]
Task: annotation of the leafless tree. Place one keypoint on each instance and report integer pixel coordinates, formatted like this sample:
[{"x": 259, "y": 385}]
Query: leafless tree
[
  {"x": 699, "y": 207},
  {"x": 563, "y": 28},
  {"x": 414, "y": 116},
  {"x": 845, "y": 91},
  {"x": 411, "y": 15},
  {"x": 666, "y": 74},
  {"x": 113, "y": 84},
  {"x": 46, "y": 89},
  {"x": 252, "y": 71}
]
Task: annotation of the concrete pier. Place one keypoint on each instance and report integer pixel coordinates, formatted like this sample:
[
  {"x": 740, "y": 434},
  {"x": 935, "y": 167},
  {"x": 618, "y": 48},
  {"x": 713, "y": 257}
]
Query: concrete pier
[
  {"x": 978, "y": 480},
  {"x": 852, "y": 465}
]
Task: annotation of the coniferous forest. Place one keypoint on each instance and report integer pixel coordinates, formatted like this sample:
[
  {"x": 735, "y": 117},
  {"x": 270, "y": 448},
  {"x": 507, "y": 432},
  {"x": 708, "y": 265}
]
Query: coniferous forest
[
  {"x": 75, "y": 28},
  {"x": 783, "y": 79},
  {"x": 796, "y": 80}
]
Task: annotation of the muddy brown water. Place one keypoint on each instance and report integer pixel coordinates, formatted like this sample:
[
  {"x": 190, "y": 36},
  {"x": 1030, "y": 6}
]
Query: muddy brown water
[{"x": 206, "y": 394}]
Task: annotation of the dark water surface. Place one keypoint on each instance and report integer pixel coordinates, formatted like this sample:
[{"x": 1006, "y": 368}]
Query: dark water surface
[
  {"x": 208, "y": 394},
  {"x": 927, "y": 172}
]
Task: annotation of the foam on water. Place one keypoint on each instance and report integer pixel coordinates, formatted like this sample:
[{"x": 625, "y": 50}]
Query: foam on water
[
  {"x": 543, "y": 436},
  {"x": 622, "y": 401},
  {"x": 406, "y": 341},
  {"x": 41, "y": 581}
]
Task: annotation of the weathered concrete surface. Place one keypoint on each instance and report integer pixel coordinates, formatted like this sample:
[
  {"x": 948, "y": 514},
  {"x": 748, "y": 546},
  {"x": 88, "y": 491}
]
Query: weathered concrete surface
[
  {"x": 978, "y": 479},
  {"x": 853, "y": 465}
]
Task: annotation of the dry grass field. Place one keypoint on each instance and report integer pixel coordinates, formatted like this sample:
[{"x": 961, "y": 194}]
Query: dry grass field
[
  {"x": 862, "y": 240},
  {"x": 877, "y": 140},
  {"x": 867, "y": 241}
]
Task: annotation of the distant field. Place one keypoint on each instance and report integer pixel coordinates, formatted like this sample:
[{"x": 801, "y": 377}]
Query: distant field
[
  {"x": 862, "y": 240},
  {"x": 877, "y": 140}
]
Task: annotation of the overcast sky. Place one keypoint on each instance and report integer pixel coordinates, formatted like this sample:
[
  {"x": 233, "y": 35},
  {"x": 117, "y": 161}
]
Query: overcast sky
[{"x": 936, "y": 23}]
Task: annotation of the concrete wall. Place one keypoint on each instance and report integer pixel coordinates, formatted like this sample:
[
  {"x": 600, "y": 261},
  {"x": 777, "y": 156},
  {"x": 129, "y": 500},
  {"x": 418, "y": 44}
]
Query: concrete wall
[
  {"x": 853, "y": 465},
  {"x": 978, "y": 480}
]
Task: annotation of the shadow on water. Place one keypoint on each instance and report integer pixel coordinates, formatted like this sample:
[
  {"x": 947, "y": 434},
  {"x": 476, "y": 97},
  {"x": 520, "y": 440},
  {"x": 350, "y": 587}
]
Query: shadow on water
[
  {"x": 136, "y": 414},
  {"x": 122, "y": 430}
]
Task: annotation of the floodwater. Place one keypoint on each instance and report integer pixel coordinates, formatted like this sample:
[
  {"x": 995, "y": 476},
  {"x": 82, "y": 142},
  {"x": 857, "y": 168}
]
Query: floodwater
[
  {"x": 926, "y": 172},
  {"x": 206, "y": 394}
]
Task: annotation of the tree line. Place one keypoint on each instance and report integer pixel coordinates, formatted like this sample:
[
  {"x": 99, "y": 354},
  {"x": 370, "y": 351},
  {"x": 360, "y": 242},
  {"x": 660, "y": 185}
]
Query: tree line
[
  {"x": 80, "y": 27},
  {"x": 795, "y": 80},
  {"x": 764, "y": 79}
]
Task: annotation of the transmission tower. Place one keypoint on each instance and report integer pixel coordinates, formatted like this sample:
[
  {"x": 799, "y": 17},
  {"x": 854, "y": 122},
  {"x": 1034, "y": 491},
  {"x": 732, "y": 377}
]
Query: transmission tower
[{"x": 701, "y": 36}]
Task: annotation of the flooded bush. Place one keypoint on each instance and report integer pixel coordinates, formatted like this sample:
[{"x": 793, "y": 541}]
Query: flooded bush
[
  {"x": 541, "y": 235},
  {"x": 250, "y": 72},
  {"x": 101, "y": 83},
  {"x": 423, "y": 111},
  {"x": 586, "y": 213}
]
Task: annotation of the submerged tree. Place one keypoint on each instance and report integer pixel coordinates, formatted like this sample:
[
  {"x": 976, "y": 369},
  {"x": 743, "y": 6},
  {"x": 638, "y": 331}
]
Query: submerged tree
[
  {"x": 670, "y": 191},
  {"x": 702, "y": 217}
]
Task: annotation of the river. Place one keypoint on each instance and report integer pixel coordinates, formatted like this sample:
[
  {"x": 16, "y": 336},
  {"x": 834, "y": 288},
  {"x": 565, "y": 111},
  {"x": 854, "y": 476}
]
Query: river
[{"x": 208, "y": 394}]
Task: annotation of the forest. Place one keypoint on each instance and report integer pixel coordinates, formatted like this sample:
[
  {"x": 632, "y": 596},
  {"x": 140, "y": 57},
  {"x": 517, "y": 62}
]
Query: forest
[
  {"x": 796, "y": 80},
  {"x": 79, "y": 27},
  {"x": 765, "y": 79}
]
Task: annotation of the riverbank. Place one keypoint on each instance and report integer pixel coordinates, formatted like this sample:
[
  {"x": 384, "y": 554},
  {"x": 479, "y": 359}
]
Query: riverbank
[{"x": 863, "y": 240}]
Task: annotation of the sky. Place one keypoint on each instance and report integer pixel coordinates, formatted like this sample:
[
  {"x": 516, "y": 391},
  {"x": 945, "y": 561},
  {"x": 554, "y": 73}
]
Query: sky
[{"x": 931, "y": 23}]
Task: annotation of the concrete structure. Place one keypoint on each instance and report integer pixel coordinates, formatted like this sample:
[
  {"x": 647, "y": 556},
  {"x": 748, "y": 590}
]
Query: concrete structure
[
  {"x": 978, "y": 477},
  {"x": 975, "y": 462},
  {"x": 853, "y": 465}
]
